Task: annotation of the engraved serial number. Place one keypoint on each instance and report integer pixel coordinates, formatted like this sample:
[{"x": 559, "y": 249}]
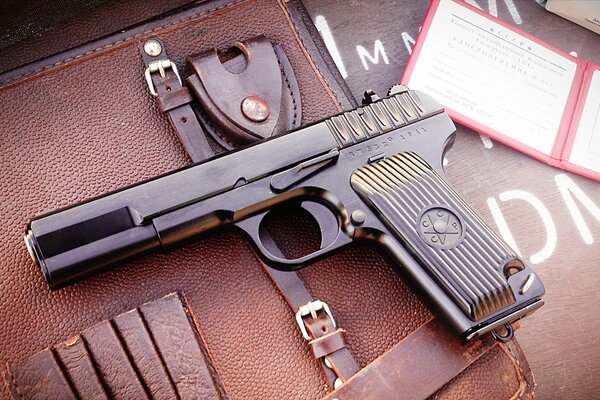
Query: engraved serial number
[{"x": 382, "y": 142}]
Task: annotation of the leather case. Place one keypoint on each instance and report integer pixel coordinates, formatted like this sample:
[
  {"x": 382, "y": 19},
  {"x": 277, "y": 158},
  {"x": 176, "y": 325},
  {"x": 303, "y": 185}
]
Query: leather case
[
  {"x": 81, "y": 123},
  {"x": 152, "y": 351}
]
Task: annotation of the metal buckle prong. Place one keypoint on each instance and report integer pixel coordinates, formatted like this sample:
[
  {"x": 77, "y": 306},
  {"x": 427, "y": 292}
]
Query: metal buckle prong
[
  {"x": 159, "y": 66},
  {"x": 311, "y": 309}
]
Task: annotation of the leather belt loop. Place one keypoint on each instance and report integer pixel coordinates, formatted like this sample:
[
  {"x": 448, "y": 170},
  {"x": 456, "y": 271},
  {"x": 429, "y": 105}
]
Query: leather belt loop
[
  {"x": 174, "y": 99},
  {"x": 330, "y": 343}
]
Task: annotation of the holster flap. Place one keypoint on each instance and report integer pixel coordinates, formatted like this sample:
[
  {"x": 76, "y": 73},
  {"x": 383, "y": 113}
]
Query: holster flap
[{"x": 246, "y": 95}]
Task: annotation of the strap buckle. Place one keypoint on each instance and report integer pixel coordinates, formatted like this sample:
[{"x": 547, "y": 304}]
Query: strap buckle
[
  {"x": 311, "y": 309},
  {"x": 159, "y": 66}
]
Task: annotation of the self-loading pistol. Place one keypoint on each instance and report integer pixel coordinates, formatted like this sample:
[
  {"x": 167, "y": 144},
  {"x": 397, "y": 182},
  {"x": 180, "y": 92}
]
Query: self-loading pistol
[{"x": 373, "y": 174}]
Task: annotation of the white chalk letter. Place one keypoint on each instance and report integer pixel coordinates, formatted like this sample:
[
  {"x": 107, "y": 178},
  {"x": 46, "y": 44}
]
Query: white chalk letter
[
  {"x": 545, "y": 217},
  {"x": 364, "y": 54},
  {"x": 570, "y": 191},
  {"x": 408, "y": 40},
  {"x": 323, "y": 28}
]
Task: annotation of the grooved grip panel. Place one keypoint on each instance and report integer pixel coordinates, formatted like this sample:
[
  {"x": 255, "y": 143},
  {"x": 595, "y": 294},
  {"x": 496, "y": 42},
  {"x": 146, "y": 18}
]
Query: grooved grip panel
[{"x": 452, "y": 244}]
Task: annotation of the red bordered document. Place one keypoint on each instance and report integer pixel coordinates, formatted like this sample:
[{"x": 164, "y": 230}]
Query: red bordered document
[{"x": 509, "y": 85}]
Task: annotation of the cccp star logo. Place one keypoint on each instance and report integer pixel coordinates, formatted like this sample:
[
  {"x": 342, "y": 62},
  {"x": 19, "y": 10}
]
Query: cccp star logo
[{"x": 440, "y": 228}]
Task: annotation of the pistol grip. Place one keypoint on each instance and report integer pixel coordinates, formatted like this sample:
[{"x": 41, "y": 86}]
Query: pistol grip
[{"x": 451, "y": 243}]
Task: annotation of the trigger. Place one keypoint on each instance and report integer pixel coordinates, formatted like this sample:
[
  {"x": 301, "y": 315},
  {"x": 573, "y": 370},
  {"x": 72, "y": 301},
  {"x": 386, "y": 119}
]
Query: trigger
[{"x": 327, "y": 221}]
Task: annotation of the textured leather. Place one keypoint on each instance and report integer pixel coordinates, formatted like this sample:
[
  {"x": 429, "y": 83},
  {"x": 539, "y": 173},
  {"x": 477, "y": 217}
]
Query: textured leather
[
  {"x": 64, "y": 139},
  {"x": 261, "y": 70},
  {"x": 154, "y": 352},
  {"x": 42, "y": 378}
]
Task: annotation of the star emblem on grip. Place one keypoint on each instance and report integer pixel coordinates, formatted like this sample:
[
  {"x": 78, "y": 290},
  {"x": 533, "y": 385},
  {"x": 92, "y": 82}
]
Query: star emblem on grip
[{"x": 440, "y": 228}]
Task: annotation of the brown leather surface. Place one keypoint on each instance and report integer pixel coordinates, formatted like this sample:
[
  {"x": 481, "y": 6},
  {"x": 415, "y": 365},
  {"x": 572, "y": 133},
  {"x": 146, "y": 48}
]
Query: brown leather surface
[
  {"x": 153, "y": 351},
  {"x": 76, "y": 359},
  {"x": 87, "y": 125},
  {"x": 504, "y": 381},
  {"x": 42, "y": 379},
  {"x": 111, "y": 362}
]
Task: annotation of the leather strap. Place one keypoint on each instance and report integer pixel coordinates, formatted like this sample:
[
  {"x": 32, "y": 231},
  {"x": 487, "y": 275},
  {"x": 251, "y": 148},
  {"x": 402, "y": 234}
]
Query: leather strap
[
  {"x": 174, "y": 100},
  {"x": 327, "y": 342},
  {"x": 415, "y": 368}
]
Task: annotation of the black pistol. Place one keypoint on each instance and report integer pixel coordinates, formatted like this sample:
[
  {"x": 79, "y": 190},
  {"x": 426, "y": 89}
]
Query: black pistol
[{"x": 372, "y": 174}]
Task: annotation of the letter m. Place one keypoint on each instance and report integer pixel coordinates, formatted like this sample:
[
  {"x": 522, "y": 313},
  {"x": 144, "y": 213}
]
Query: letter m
[{"x": 364, "y": 54}]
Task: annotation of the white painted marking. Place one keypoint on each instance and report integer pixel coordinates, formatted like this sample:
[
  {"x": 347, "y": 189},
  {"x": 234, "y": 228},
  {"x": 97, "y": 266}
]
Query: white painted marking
[
  {"x": 323, "y": 28},
  {"x": 502, "y": 225},
  {"x": 573, "y": 53},
  {"x": 514, "y": 13},
  {"x": 546, "y": 218},
  {"x": 487, "y": 142},
  {"x": 493, "y": 8},
  {"x": 378, "y": 50},
  {"x": 408, "y": 40},
  {"x": 569, "y": 191}
]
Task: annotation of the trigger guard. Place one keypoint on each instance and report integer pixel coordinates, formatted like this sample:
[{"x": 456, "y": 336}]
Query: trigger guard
[
  {"x": 325, "y": 219},
  {"x": 251, "y": 226}
]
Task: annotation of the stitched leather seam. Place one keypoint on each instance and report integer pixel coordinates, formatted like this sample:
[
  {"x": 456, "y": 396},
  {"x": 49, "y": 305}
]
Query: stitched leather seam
[
  {"x": 520, "y": 376},
  {"x": 121, "y": 41},
  {"x": 13, "y": 380},
  {"x": 309, "y": 58},
  {"x": 287, "y": 81}
]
